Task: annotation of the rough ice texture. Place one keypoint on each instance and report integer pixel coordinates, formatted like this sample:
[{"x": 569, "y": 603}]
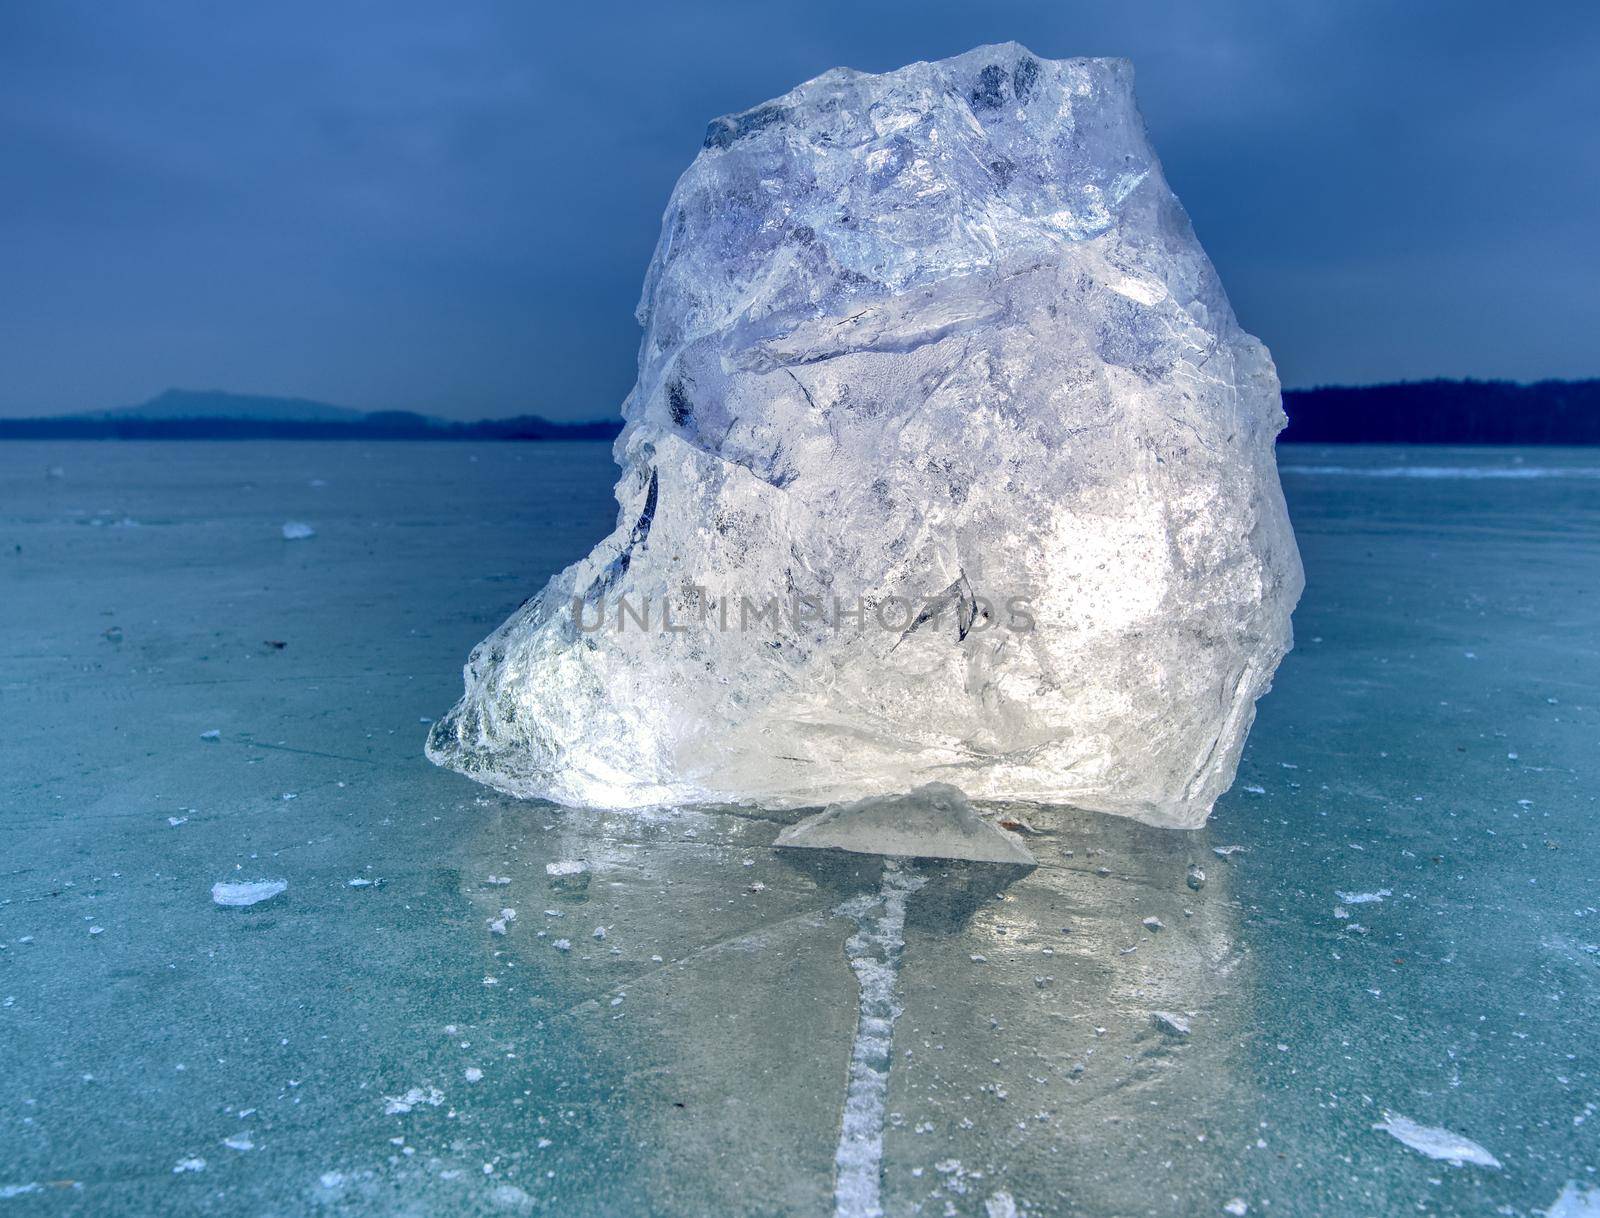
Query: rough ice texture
[
  {"x": 943, "y": 334},
  {"x": 933, "y": 821}
]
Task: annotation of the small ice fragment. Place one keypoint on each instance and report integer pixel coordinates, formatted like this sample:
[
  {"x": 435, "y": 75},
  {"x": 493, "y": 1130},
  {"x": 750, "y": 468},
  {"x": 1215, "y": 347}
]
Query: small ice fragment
[
  {"x": 184, "y": 1165},
  {"x": 566, "y": 867},
  {"x": 250, "y": 893},
  {"x": 1153, "y": 924},
  {"x": 97, "y": 930},
  {"x": 977, "y": 959},
  {"x": 399, "y": 1105},
  {"x": 1225, "y": 852},
  {"x": 498, "y": 925},
  {"x": 8, "y": 1191},
  {"x": 499, "y": 880},
  {"x": 1362, "y": 898},
  {"x": 1575, "y": 1201},
  {"x": 562, "y": 945},
  {"x": 1436, "y": 1143},
  {"x": 213, "y": 734},
  {"x": 1254, "y": 790},
  {"x": 1171, "y": 1023},
  {"x": 331, "y": 1179},
  {"x": 288, "y": 795},
  {"x": 473, "y": 1074},
  {"x": 358, "y": 882},
  {"x": 1195, "y": 877},
  {"x": 175, "y": 821},
  {"x": 599, "y": 932},
  {"x": 1236, "y": 1207},
  {"x": 298, "y": 530},
  {"x": 1000, "y": 1205},
  {"x": 239, "y": 1141}
]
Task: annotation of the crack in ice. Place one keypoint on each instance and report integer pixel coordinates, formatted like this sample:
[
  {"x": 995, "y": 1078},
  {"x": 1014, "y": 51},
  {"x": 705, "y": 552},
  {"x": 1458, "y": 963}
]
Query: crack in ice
[{"x": 874, "y": 953}]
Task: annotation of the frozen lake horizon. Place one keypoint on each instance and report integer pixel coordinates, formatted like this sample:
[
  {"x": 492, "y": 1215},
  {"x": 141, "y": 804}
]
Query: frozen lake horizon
[{"x": 293, "y": 968}]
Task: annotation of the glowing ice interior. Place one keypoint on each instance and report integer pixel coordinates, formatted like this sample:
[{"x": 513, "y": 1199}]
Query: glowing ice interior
[{"x": 947, "y": 462}]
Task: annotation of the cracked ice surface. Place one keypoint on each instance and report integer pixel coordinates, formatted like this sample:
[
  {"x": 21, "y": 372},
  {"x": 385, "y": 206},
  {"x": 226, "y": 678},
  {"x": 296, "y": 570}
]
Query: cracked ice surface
[{"x": 943, "y": 335}]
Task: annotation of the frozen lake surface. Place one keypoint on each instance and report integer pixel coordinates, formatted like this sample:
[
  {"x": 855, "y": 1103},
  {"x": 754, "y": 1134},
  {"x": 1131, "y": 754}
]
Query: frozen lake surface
[{"x": 1383, "y": 996}]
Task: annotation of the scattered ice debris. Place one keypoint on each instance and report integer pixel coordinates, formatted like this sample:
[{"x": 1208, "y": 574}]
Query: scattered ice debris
[
  {"x": 498, "y": 925},
  {"x": 184, "y": 1165},
  {"x": 472, "y": 1074},
  {"x": 175, "y": 821},
  {"x": 562, "y": 945},
  {"x": 399, "y": 1105},
  {"x": 1362, "y": 898},
  {"x": 288, "y": 795},
  {"x": 1153, "y": 924},
  {"x": 1170, "y": 1022},
  {"x": 298, "y": 530},
  {"x": 358, "y": 882},
  {"x": 1227, "y": 852},
  {"x": 566, "y": 867},
  {"x": 252, "y": 892},
  {"x": 498, "y": 880},
  {"x": 932, "y": 821},
  {"x": 239, "y": 1141},
  {"x": 1436, "y": 1143},
  {"x": 1575, "y": 1201},
  {"x": 213, "y": 734},
  {"x": 1236, "y": 1207}
]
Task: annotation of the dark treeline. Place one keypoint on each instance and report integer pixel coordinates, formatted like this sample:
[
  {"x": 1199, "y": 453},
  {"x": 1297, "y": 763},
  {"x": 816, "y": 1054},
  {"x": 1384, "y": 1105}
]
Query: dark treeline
[
  {"x": 1446, "y": 412},
  {"x": 384, "y": 425},
  {"x": 1411, "y": 412}
]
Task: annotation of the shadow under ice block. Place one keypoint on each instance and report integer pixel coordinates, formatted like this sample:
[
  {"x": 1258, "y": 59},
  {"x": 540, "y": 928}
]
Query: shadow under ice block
[{"x": 947, "y": 462}]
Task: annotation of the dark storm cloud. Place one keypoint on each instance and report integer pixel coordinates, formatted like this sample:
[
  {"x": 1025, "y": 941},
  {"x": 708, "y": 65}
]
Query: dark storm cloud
[{"x": 450, "y": 207}]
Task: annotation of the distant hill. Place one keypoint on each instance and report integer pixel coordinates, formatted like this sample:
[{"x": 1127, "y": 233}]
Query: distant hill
[
  {"x": 187, "y": 414},
  {"x": 1410, "y": 412},
  {"x": 1446, "y": 412},
  {"x": 215, "y": 404}
]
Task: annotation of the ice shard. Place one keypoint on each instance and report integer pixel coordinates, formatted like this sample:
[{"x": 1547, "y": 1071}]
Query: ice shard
[{"x": 947, "y": 461}]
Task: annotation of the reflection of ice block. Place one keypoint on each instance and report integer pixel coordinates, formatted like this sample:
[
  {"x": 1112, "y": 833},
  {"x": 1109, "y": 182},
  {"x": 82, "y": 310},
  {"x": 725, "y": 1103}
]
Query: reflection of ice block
[
  {"x": 939, "y": 350},
  {"x": 934, "y": 821}
]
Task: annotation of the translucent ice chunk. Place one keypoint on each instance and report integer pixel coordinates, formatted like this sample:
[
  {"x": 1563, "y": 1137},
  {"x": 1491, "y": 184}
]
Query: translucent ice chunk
[
  {"x": 947, "y": 461},
  {"x": 934, "y": 821}
]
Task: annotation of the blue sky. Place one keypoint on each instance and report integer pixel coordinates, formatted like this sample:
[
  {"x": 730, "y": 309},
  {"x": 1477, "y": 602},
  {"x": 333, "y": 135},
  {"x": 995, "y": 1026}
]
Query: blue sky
[{"x": 449, "y": 207}]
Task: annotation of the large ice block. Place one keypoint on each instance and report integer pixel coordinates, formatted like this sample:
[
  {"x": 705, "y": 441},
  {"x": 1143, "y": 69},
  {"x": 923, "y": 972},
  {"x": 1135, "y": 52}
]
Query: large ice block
[{"x": 947, "y": 462}]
